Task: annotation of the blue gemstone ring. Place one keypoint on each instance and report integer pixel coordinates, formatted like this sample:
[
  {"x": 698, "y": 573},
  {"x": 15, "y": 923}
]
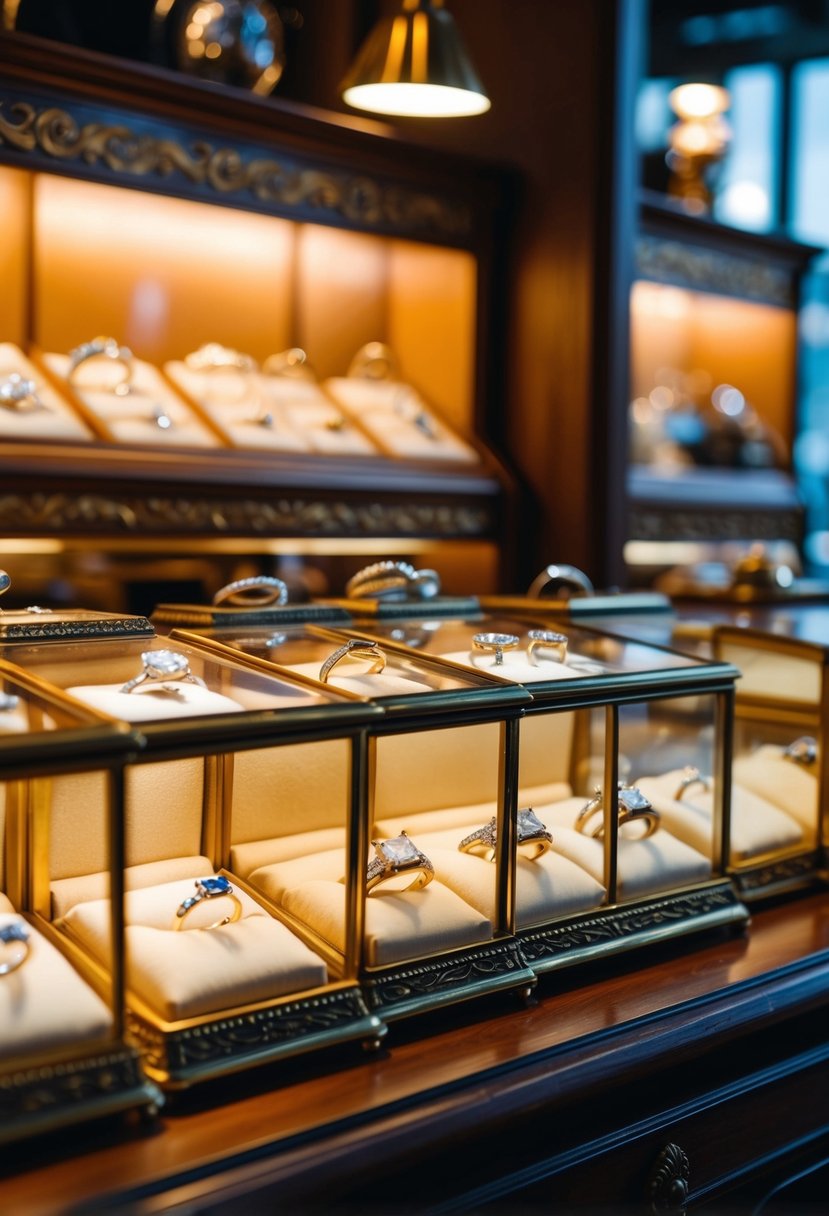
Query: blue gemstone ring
[
  {"x": 214, "y": 887},
  {"x": 14, "y": 944}
]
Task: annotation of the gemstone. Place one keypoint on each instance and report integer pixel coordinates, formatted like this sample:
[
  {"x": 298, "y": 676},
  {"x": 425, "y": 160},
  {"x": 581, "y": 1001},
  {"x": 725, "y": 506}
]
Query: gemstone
[
  {"x": 14, "y": 931},
  {"x": 633, "y": 799},
  {"x": 529, "y": 824},
  {"x": 164, "y": 663},
  {"x": 399, "y": 849},
  {"x": 212, "y": 887}
]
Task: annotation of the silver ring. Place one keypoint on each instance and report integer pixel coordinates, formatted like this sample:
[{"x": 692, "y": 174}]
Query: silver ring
[
  {"x": 14, "y": 934},
  {"x": 532, "y": 837},
  {"x": 103, "y": 348},
  {"x": 495, "y": 643},
  {"x": 15, "y": 391},
  {"x": 689, "y": 776},
  {"x": 546, "y": 646},
  {"x": 255, "y": 592},
  {"x": 354, "y": 648},
  {"x": 633, "y": 807},
  {"x": 161, "y": 665},
  {"x": 393, "y": 581},
  {"x": 802, "y": 751},
  {"x": 213, "y": 357},
  {"x": 374, "y": 361},
  {"x": 560, "y": 576}
]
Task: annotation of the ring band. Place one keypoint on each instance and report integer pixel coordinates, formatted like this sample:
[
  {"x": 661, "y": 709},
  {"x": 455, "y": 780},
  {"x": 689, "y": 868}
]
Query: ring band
[
  {"x": 15, "y": 391},
  {"x": 802, "y": 751},
  {"x": 633, "y": 807},
  {"x": 398, "y": 855},
  {"x": 255, "y": 592},
  {"x": 160, "y": 665},
  {"x": 495, "y": 643},
  {"x": 103, "y": 348},
  {"x": 214, "y": 887},
  {"x": 690, "y": 776},
  {"x": 393, "y": 581},
  {"x": 546, "y": 646},
  {"x": 213, "y": 357},
  {"x": 14, "y": 933},
  {"x": 532, "y": 837},
  {"x": 354, "y": 649},
  {"x": 552, "y": 578}
]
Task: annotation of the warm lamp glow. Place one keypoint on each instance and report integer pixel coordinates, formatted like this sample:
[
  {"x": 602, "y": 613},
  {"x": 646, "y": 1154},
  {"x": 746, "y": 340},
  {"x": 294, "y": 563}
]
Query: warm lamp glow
[
  {"x": 698, "y": 100},
  {"x": 414, "y": 64}
]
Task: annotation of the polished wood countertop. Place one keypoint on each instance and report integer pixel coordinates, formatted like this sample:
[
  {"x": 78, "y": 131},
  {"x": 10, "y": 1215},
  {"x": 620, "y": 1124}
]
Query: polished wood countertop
[{"x": 321, "y": 1117}]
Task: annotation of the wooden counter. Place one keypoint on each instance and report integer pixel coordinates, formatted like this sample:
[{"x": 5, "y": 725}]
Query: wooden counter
[{"x": 716, "y": 1045}]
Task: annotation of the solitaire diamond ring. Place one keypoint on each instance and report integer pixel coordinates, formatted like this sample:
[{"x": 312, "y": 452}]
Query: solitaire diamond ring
[
  {"x": 20, "y": 395},
  {"x": 104, "y": 348},
  {"x": 690, "y": 776},
  {"x": 161, "y": 665},
  {"x": 634, "y": 807},
  {"x": 396, "y": 856},
  {"x": 532, "y": 837}
]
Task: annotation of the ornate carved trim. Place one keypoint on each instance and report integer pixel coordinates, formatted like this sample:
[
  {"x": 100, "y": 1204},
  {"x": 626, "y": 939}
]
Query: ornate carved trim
[
  {"x": 789, "y": 872},
  {"x": 183, "y": 1054},
  {"x": 669, "y": 1182},
  {"x": 681, "y": 524},
  {"x": 125, "y": 151},
  {"x": 686, "y": 265},
  {"x": 438, "y": 980},
  {"x": 51, "y": 1095},
  {"x": 155, "y": 515},
  {"x": 616, "y": 927},
  {"x": 52, "y": 629}
]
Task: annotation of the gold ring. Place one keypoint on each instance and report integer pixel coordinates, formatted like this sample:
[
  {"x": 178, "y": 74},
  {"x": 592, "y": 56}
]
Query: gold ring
[
  {"x": 495, "y": 643},
  {"x": 633, "y": 807},
  {"x": 354, "y": 648},
  {"x": 103, "y": 348},
  {"x": 546, "y": 646},
  {"x": 398, "y": 855},
  {"x": 216, "y": 886},
  {"x": 532, "y": 837}
]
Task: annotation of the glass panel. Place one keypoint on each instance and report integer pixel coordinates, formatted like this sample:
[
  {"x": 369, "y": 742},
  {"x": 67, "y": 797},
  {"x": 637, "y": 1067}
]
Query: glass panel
[
  {"x": 745, "y": 193},
  {"x": 810, "y": 162}
]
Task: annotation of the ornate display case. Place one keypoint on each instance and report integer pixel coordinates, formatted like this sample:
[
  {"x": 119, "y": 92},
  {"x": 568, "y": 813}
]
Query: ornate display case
[
  {"x": 201, "y": 215},
  {"x": 63, "y": 1056},
  {"x": 430, "y": 927},
  {"x": 779, "y": 747},
  {"x": 214, "y": 982},
  {"x": 607, "y": 714}
]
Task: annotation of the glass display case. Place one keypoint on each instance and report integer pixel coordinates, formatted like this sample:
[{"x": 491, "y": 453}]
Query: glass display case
[
  {"x": 214, "y": 981},
  {"x": 431, "y": 926},
  {"x": 63, "y": 1055}
]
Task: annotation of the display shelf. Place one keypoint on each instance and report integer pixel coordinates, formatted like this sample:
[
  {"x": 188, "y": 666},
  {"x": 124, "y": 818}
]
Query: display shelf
[{"x": 574, "y": 1099}]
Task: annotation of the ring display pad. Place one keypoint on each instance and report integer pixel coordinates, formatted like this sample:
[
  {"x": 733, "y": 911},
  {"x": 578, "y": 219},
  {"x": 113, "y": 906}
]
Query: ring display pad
[
  {"x": 63, "y": 1053},
  {"x": 55, "y": 419},
  {"x": 421, "y": 941},
  {"x": 601, "y": 707},
  {"x": 779, "y": 740},
  {"x": 151, "y": 413},
  {"x": 216, "y": 980},
  {"x": 283, "y": 414},
  {"x": 398, "y": 419}
]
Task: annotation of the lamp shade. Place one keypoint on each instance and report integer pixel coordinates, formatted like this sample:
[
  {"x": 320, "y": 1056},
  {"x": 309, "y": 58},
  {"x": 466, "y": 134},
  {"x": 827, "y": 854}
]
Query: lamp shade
[{"x": 415, "y": 64}]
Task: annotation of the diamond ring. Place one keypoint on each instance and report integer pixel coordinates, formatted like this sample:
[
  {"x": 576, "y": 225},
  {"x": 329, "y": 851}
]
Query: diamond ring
[
  {"x": 546, "y": 646},
  {"x": 634, "y": 807},
  {"x": 14, "y": 939},
  {"x": 214, "y": 887},
  {"x": 495, "y": 643},
  {"x": 689, "y": 776},
  {"x": 802, "y": 751},
  {"x": 395, "y": 581},
  {"x": 20, "y": 395},
  {"x": 213, "y": 357},
  {"x": 532, "y": 837},
  {"x": 162, "y": 665},
  {"x": 354, "y": 649},
  {"x": 103, "y": 348},
  {"x": 398, "y": 855},
  {"x": 253, "y": 592}
]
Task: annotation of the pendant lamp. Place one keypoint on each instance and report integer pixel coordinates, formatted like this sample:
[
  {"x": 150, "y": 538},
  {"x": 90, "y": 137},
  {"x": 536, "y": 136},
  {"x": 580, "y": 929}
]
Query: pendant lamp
[{"x": 415, "y": 64}]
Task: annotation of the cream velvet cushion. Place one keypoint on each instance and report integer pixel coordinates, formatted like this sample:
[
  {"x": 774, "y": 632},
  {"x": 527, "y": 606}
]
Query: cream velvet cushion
[
  {"x": 646, "y": 867},
  {"x": 348, "y": 676},
  {"x": 516, "y": 666},
  {"x": 196, "y": 971},
  {"x": 45, "y": 1004},
  {"x": 149, "y": 703},
  {"x": 66, "y": 892},
  {"x": 756, "y": 825},
  {"x": 792, "y": 787}
]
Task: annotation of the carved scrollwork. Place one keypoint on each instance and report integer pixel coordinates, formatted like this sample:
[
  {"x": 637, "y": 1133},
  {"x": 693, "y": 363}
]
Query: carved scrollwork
[
  {"x": 669, "y": 1182},
  {"x": 57, "y": 133},
  {"x": 686, "y": 265},
  {"x": 433, "y": 979}
]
